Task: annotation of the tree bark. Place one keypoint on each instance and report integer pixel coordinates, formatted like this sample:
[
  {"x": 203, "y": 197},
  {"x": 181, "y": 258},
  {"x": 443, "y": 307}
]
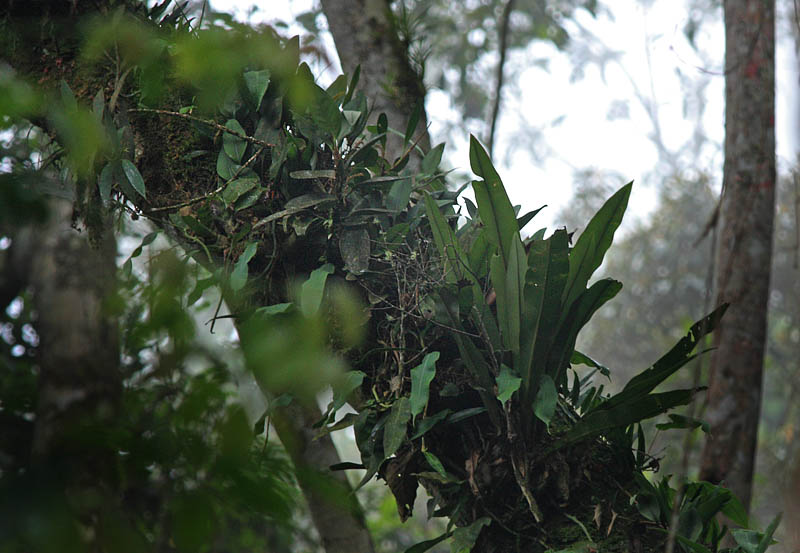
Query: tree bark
[
  {"x": 79, "y": 383},
  {"x": 334, "y": 509},
  {"x": 744, "y": 250},
  {"x": 365, "y": 33}
]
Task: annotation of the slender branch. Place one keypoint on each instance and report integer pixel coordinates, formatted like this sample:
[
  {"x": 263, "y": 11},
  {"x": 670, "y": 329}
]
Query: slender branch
[
  {"x": 796, "y": 219},
  {"x": 208, "y": 122},
  {"x": 503, "y": 47},
  {"x": 214, "y": 192}
]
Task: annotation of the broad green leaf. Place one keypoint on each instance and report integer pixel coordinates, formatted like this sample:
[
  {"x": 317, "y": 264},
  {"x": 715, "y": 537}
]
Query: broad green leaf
[
  {"x": 673, "y": 360},
  {"x": 507, "y": 383},
  {"x": 515, "y": 284},
  {"x": 464, "y": 538},
  {"x": 591, "y": 247},
  {"x": 238, "y": 187},
  {"x": 233, "y": 145},
  {"x": 316, "y": 114},
  {"x": 226, "y": 167},
  {"x": 355, "y": 112},
  {"x": 579, "y": 358},
  {"x": 494, "y": 207},
  {"x": 692, "y": 545},
  {"x": 681, "y": 421},
  {"x": 312, "y": 290},
  {"x": 421, "y": 378},
  {"x": 239, "y": 273},
  {"x": 396, "y": 425},
  {"x": 248, "y": 198},
  {"x": 305, "y": 201},
  {"x": 431, "y": 161},
  {"x": 508, "y": 281},
  {"x": 755, "y": 542},
  {"x": 133, "y": 176},
  {"x": 256, "y": 83},
  {"x": 735, "y": 511},
  {"x": 435, "y": 463},
  {"x": 399, "y": 193},
  {"x": 351, "y": 116},
  {"x": 146, "y": 241},
  {"x": 337, "y": 88},
  {"x": 106, "y": 181},
  {"x": 689, "y": 524},
  {"x": 544, "y": 406},
  {"x": 343, "y": 387},
  {"x": 748, "y": 540},
  {"x": 707, "y": 500},
  {"x": 539, "y": 234},
  {"x": 201, "y": 286},
  {"x": 424, "y": 425},
  {"x": 548, "y": 266},
  {"x": 481, "y": 163}
]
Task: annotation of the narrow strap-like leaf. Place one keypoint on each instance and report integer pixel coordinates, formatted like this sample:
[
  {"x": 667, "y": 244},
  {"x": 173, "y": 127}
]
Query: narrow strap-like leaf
[
  {"x": 548, "y": 266},
  {"x": 580, "y": 313},
  {"x": 591, "y": 247},
  {"x": 445, "y": 239},
  {"x": 494, "y": 207},
  {"x": 599, "y": 422},
  {"x": 673, "y": 360}
]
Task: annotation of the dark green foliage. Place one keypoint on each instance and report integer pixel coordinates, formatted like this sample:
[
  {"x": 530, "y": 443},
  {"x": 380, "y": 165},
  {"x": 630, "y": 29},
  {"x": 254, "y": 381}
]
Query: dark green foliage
[
  {"x": 281, "y": 197},
  {"x": 189, "y": 470}
]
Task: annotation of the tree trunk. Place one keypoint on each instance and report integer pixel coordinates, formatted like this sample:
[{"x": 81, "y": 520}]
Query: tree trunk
[
  {"x": 744, "y": 248},
  {"x": 366, "y": 34},
  {"x": 334, "y": 509},
  {"x": 79, "y": 383}
]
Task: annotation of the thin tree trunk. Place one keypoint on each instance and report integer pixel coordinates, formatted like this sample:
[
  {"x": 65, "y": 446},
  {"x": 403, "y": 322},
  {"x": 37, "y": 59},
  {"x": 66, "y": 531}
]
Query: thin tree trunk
[
  {"x": 334, "y": 508},
  {"x": 365, "y": 33},
  {"x": 505, "y": 25},
  {"x": 744, "y": 245}
]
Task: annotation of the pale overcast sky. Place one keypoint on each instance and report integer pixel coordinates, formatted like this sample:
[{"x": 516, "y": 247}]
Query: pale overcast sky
[{"x": 654, "y": 53}]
